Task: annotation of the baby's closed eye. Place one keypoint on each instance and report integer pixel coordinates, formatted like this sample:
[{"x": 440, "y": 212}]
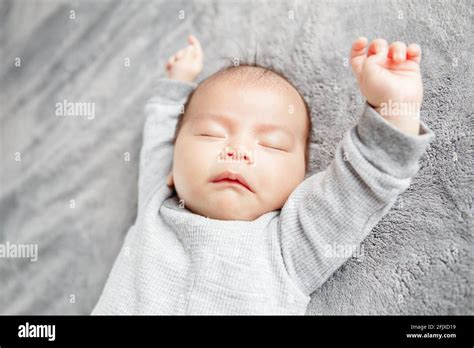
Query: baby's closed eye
[
  {"x": 275, "y": 143},
  {"x": 210, "y": 135},
  {"x": 211, "y": 132},
  {"x": 274, "y": 146},
  {"x": 270, "y": 142}
]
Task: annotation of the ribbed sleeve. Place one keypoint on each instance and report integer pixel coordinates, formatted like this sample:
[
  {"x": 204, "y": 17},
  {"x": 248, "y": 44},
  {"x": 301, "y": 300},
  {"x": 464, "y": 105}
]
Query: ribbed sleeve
[{"x": 156, "y": 155}]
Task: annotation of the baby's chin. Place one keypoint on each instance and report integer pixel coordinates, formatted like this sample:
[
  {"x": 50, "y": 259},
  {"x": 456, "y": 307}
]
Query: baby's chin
[
  {"x": 231, "y": 216},
  {"x": 224, "y": 205}
]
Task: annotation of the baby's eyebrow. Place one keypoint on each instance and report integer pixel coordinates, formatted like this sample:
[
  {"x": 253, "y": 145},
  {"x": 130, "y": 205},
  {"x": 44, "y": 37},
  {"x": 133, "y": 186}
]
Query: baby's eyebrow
[{"x": 230, "y": 122}]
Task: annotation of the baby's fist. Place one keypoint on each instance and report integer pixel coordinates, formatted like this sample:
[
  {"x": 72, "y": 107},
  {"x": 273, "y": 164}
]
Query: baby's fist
[
  {"x": 186, "y": 64},
  {"x": 390, "y": 76}
]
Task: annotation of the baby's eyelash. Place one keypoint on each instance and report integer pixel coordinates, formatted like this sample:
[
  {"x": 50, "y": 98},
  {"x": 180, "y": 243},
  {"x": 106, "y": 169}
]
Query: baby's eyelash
[
  {"x": 210, "y": 136},
  {"x": 273, "y": 147}
]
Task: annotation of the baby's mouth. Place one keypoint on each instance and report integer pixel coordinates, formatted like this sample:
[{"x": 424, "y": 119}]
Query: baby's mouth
[
  {"x": 230, "y": 181},
  {"x": 228, "y": 177}
]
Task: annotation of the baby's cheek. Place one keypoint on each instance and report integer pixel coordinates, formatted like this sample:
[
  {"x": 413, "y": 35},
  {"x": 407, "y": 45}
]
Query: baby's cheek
[
  {"x": 193, "y": 163},
  {"x": 190, "y": 155},
  {"x": 184, "y": 164},
  {"x": 279, "y": 177},
  {"x": 269, "y": 176}
]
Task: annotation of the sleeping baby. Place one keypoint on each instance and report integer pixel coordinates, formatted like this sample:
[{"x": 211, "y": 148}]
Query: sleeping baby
[{"x": 228, "y": 220}]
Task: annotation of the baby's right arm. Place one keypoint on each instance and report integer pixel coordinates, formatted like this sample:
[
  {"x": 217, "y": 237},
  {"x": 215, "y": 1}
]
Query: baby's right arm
[
  {"x": 162, "y": 112},
  {"x": 331, "y": 212}
]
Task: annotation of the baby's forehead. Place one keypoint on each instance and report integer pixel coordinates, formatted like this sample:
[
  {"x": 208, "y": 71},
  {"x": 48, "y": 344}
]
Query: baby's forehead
[
  {"x": 250, "y": 93},
  {"x": 253, "y": 108},
  {"x": 256, "y": 79}
]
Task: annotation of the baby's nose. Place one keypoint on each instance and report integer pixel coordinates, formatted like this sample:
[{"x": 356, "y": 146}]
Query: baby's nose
[{"x": 232, "y": 154}]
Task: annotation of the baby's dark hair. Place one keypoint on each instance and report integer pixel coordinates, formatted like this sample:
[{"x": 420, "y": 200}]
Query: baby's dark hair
[{"x": 237, "y": 71}]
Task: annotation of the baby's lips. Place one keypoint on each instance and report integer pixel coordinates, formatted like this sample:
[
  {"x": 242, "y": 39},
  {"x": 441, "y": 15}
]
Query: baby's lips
[{"x": 227, "y": 174}]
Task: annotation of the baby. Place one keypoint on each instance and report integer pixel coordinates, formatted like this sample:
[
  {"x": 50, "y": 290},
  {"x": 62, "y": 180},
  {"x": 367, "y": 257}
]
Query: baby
[{"x": 228, "y": 222}]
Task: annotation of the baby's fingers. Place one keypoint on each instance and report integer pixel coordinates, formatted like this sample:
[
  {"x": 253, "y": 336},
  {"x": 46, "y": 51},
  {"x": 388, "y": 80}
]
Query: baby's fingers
[
  {"x": 194, "y": 42},
  {"x": 170, "y": 62},
  {"x": 180, "y": 53},
  {"x": 358, "y": 54},
  {"x": 377, "y": 51},
  {"x": 358, "y": 47},
  {"x": 414, "y": 53},
  {"x": 398, "y": 52}
]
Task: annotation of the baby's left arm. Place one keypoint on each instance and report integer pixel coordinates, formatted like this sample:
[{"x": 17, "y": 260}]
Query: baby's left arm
[{"x": 331, "y": 212}]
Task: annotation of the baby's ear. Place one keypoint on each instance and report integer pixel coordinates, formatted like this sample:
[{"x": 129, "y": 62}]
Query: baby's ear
[{"x": 169, "y": 179}]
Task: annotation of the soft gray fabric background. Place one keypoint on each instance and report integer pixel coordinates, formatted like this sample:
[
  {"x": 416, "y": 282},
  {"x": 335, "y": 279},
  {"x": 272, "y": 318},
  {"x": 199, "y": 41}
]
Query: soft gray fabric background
[{"x": 418, "y": 260}]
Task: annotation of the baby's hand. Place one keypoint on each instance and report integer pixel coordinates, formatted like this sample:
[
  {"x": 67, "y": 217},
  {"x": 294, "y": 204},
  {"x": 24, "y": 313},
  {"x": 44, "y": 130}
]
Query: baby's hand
[
  {"x": 390, "y": 79},
  {"x": 186, "y": 64}
]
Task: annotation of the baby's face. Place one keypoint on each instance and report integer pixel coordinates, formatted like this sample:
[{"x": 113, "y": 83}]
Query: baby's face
[{"x": 247, "y": 129}]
